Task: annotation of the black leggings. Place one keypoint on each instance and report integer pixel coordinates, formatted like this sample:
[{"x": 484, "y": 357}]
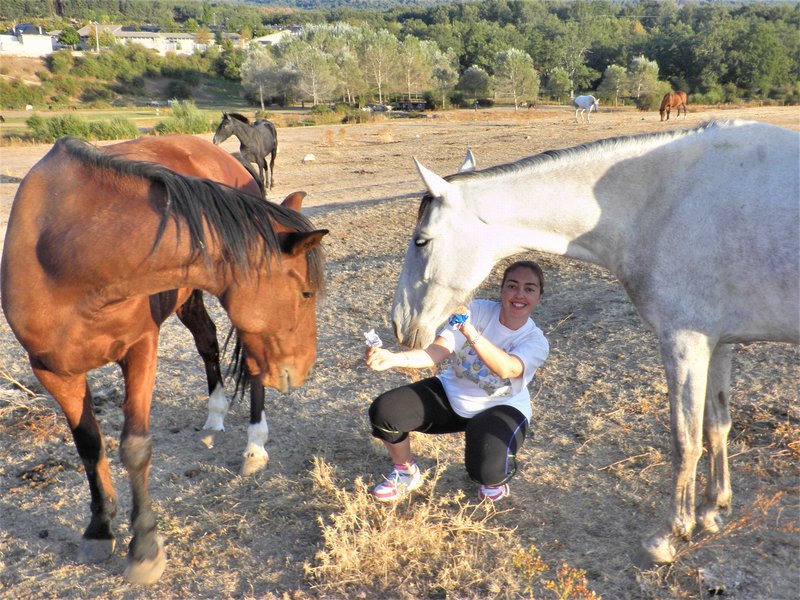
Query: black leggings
[{"x": 492, "y": 437}]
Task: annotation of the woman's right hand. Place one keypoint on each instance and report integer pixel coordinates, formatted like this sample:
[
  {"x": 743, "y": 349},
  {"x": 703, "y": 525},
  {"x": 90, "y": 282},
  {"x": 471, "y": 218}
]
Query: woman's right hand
[{"x": 379, "y": 359}]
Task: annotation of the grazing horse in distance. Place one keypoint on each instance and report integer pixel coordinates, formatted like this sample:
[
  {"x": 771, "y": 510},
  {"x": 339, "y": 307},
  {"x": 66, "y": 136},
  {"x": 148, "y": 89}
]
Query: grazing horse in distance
[
  {"x": 257, "y": 140},
  {"x": 585, "y": 104},
  {"x": 99, "y": 251},
  {"x": 673, "y": 100},
  {"x": 708, "y": 252}
]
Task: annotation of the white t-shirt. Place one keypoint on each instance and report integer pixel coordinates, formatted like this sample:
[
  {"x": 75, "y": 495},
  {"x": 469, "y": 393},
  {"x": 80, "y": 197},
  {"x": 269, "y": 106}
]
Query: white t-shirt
[{"x": 471, "y": 387}]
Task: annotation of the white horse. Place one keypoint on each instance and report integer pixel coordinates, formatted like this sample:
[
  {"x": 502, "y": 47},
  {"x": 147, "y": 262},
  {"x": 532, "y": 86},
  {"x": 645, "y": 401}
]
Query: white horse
[
  {"x": 701, "y": 227},
  {"x": 585, "y": 104}
]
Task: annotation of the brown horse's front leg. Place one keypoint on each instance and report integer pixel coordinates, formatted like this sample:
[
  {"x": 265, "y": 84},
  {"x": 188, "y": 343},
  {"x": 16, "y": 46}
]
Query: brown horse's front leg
[
  {"x": 73, "y": 395},
  {"x": 146, "y": 557}
]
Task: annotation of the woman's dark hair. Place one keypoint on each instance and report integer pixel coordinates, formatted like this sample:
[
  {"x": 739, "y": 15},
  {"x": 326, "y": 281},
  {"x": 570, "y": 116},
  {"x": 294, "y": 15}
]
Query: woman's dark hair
[{"x": 526, "y": 264}]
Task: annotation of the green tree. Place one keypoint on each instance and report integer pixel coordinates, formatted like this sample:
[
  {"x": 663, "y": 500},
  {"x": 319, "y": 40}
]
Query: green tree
[
  {"x": 378, "y": 57},
  {"x": 315, "y": 69},
  {"x": 614, "y": 83},
  {"x": 559, "y": 84},
  {"x": 756, "y": 60},
  {"x": 474, "y": 82},
  {"x": 514, "y": 75},
  {"x": 643, "y": 77},
  {"x": 69, "y": 37},
  {"x": 444, "y": 75},
  {"x": 256, "y": 72},
  {"x": 416, "y": 67}
]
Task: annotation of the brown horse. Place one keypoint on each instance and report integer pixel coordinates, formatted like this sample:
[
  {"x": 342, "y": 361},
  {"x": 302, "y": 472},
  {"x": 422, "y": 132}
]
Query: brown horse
[
  {"x": 673, "y": 100},
  {"x": 193, "y": 156},
  {"x": 99, "y": 251}
]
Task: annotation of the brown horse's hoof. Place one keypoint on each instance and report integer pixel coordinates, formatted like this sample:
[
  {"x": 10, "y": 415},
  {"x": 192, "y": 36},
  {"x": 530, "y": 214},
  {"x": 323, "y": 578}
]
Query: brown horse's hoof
[
  {"x": 95, "y": 551},
  {"x": 254, "y": 462},
  {"x": 208, "y": 437},
  {"x": 147, "y": 572}
]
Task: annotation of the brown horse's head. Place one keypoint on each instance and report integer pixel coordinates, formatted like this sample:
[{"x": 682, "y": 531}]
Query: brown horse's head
[{"x": 274, "y": 310}]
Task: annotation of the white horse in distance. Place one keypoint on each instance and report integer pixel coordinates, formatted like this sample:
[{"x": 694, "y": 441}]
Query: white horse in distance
[
  {"x": 701, "y": 227},
  {"x": 585, "y": 104}
]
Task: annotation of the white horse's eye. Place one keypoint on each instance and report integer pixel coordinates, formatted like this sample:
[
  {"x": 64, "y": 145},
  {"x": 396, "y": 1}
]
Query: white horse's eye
[{"x": 420, "y": 242}]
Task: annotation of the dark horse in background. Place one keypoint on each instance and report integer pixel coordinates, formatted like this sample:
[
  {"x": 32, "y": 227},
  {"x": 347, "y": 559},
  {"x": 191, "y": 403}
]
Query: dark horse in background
[
  {"x": 101, "y": 249},
  {"x": 673, "y": 100},
  {"x": 257, "y": 140}
]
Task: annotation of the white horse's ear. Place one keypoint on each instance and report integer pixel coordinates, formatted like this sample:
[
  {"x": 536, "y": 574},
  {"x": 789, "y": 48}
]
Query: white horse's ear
[
  {"x": 436, "y": 185},
  {"x": 470, "y": 164}
]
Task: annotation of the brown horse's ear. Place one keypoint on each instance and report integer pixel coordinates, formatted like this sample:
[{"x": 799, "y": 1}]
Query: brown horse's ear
[
  {"x": 299, "y": 242},
  {"x": 294, "y": 201}
]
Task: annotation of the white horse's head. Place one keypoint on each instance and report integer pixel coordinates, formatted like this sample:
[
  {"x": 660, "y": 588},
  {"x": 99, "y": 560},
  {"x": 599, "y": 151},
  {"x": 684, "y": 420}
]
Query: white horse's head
[
  {"x": 446, "y": 260},
  {"x": 595, "y": 104}
]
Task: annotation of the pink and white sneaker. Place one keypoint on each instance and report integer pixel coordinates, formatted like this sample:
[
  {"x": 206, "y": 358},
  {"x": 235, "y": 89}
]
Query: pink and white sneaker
[
  {"x": 493, "y": 493},
  {"x": 398, "y": 483}
]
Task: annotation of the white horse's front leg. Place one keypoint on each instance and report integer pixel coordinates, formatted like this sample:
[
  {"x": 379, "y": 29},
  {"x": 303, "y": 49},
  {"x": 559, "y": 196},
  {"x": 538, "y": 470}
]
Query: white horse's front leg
[
  {"x": 255, "y": 454},
  {"x": 686, "y": 358},
  {"x": 716, "y": 426}
]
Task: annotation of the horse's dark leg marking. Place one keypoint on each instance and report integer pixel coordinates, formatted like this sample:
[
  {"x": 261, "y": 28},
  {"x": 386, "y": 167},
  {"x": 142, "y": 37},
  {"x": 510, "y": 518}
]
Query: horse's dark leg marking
[
  {"x": 256, "y": 401},
  {"x": 73, "y": 395},
  {"x": 194, "y": 316},
  {"x": 255, "y": 455}
]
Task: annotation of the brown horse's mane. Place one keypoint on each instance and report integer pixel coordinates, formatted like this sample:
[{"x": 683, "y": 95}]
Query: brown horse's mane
[
  {"x": 241, "y": 224},
  {"x": 547, "y": 156}
]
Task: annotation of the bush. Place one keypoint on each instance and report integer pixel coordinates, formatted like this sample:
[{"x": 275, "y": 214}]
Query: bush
[
  {"x": 179, "y": 89},
  {"x": 49, "y": 130},
  {"x": 117, "y": 128},
  {"x": 60, "y": 62},
  {"x": 186, "y": 118},
  {"x": 356, "y": 116},
  {"x": 15, "y": 94}
]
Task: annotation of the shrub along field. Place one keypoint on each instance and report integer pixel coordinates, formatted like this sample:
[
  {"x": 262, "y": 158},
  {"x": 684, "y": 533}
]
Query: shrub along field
[{"x": 595, "y": 471}]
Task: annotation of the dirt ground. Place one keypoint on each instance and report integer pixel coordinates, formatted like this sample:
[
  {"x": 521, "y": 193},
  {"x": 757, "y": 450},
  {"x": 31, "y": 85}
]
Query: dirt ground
[{"x": 595, "y": 470}]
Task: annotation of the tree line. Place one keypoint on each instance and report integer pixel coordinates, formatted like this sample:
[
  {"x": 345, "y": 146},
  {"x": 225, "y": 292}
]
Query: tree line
[{"x": 518, "y": 50}]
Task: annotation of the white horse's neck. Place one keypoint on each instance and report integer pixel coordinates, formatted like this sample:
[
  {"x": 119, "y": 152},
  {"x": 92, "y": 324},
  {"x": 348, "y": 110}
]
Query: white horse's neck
[{"x": 543, "y": 205}]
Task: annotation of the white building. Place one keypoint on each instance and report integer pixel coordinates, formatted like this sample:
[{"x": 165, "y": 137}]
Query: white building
[{"x": 30, "y": 42}]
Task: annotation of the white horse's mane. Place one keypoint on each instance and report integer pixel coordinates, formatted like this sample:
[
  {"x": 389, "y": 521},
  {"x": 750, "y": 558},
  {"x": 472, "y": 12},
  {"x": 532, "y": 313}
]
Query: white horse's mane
[{"x": 548, "y": 156}]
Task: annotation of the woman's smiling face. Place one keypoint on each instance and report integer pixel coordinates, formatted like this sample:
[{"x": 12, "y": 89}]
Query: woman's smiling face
[{"x": 519, "y": 295}]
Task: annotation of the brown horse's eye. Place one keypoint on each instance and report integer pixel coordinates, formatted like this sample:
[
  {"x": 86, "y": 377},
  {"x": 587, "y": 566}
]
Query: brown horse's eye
[{"x": 308, "y": 295}]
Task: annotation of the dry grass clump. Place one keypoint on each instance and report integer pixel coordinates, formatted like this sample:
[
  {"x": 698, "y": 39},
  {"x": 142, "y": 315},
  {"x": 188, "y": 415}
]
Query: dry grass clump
[
  {"x": 424, "y": 546},
  {"x": 386, "y": 135},
  {"x": 427, "y": 546}
]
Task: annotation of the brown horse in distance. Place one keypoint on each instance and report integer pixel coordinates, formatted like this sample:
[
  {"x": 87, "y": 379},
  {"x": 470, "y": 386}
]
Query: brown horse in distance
[
  {"x": 673, "y": 100},
  {"x": 101, "y": 249}
]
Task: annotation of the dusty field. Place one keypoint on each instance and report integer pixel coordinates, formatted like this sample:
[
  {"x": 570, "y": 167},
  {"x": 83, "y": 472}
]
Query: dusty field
[{"x": 594, "y": 472}]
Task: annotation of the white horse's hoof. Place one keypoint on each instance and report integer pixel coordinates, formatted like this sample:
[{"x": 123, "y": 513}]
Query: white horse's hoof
[
  {"x": 91, "y": 552},
  {"x": 253, "y": 463},
  {"x": 149, "y": 571},
  {"x": 659, "y": 549}
]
